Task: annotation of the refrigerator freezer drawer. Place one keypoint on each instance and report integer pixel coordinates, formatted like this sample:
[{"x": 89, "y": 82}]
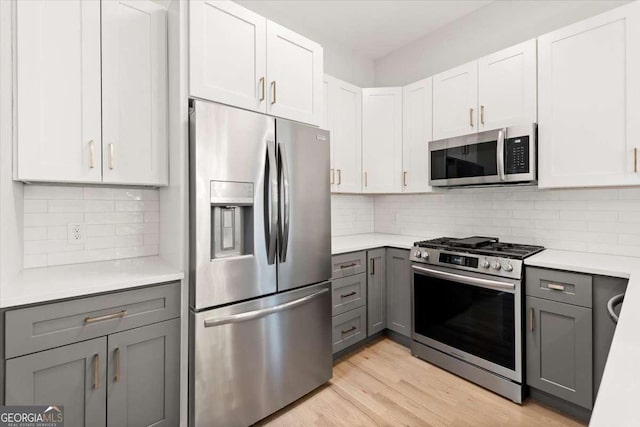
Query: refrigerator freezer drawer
[{"x": 250, "y": 359}]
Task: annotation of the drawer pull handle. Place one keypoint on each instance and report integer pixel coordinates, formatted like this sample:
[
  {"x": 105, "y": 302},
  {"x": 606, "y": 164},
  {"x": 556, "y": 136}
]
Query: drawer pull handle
[
  {"x": 96, "y": 371},
  {"x": 531, "y": 319},
  {"x": 351, "y": 329},
  {"x": 118, "y": 315},
  {"x": 348, "y": 295},
  {"x": 116, "y": 362},
  {"x": 555, "y": 287},
  {"x": 353, "y": 264}
]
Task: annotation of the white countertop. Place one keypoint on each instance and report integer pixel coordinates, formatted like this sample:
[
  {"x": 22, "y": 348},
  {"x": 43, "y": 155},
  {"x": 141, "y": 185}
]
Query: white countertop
[
  {"x": 361, "y": 242},
  {"x": 616, "y": 404},
  {"x": 67, "y": 281}
]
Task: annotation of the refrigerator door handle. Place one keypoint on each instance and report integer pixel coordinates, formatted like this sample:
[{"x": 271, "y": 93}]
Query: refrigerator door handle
[
  {"x": 256, "y": 314},
  {"x": 271, "y": 209},
  {"x": 284, "y": 235}
]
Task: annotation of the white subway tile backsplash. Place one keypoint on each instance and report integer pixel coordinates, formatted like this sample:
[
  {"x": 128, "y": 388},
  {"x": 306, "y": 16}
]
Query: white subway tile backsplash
[
  {"x": 351, "y": 214},
  {"x": 593, "y": 220},
  {"x": 118, "y": 223}
]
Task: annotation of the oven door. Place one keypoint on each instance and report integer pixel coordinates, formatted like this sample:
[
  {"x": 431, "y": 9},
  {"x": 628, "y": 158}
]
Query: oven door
[
  {"x": 470, "y": 317},
  {"x": 492, "y": 157}
]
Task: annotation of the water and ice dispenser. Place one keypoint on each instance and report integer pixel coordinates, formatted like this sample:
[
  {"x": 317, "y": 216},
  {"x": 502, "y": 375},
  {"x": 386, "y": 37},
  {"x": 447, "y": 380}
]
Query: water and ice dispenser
[{"x": 231, "y": 219}]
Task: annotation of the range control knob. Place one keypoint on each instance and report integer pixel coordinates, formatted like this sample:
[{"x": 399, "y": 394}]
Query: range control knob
[
  {"x": 507, "y": 266},
  {"x": 417, "y": 253},
  {"x": 484, "y": 263},
  {"x": 496, "y": 265},
  {"x": 425, "y": 255}
]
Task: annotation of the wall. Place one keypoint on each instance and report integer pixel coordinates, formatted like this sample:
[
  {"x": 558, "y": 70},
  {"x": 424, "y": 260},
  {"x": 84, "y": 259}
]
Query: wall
[
  {"x": 117, "y": 222},
  {"x": 493, "y": 27},
  {"x": 351, "y": 214},
  {"x": 339, "y": 61},
  {"x": 591, "y": 220}
]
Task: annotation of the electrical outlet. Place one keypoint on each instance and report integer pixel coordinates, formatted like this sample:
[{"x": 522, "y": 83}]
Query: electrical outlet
[{"x": 75, "y": 233}]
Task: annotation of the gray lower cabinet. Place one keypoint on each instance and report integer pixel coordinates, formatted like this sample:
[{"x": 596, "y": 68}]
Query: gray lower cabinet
[
  {"x": 376, "y": 291},
  {"x": 559, "y": 350},
  {"x": 144, "y": 376},
  {"x": 398, "y": 291},
  {"x": 73, "y": 375}
]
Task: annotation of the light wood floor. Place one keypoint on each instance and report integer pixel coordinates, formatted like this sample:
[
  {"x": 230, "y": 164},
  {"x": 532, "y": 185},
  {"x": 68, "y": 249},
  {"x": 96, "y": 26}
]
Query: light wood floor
[{"x": 383, "y": 385}]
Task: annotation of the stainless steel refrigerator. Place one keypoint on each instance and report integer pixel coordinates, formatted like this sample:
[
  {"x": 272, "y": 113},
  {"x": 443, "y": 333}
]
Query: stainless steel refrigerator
[{"x": 260, "y": 225}]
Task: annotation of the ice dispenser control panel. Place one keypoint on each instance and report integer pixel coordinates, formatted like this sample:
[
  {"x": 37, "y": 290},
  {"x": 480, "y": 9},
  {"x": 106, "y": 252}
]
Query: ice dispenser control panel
[{"x": 231, "y": 219}]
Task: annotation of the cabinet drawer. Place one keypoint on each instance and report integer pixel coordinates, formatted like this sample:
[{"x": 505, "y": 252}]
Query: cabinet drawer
[
  {"x": 348, "y": 293},
  {"x": 561, "y": 286},
  {"x": 46, "y": 326},
  {"x": 349, "y": 328},
  {"x": 348, "y": 264}
]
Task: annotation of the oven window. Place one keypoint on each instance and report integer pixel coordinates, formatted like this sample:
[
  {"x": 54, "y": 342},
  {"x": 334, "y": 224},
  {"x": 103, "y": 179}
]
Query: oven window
[
  {"x": 475, "y": 320},
  {"x": 465, "y": 162}
]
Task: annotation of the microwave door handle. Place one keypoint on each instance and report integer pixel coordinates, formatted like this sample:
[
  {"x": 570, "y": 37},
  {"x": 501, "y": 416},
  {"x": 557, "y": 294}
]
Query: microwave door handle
[
  {"x": 500, "y": 154},
  {"x": 284, "y": 171},
  {"x": 271, "y": 202}
]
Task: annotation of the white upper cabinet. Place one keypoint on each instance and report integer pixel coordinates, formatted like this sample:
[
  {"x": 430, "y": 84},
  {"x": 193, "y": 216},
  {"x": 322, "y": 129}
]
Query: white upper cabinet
[
  {"x": 58, "y": 91},
  {"x": 134, "y": 92},
  {"x": 345, "y": 112},
  {"x": 227, "y": 53},
  {"x": 507, "y": 87},
  {"x": 589, "y": 101},
  {"x": 416, "y": 133},
  {"x": 382, "y": 140},
  {"x": 295, "y": 72},
  {"x": 240, "y": 58},
  {"x": 455, "y": 101}
]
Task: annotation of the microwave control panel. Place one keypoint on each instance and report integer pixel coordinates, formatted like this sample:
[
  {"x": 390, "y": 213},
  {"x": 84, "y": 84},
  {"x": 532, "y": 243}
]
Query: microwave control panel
[{"x": 517, "y": 155}]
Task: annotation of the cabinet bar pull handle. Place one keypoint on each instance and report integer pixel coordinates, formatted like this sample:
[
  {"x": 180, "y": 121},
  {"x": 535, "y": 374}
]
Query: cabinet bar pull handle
[
  {"x": 373, "y": 266},
  {"x": 353, "y": 264},
  {"x": 482, "y": 114},
  {"x": 96, "y": 371},
  {"x": 471, "y": 117},
  {"x": 555, "y": 287},
  {"x": 116, "y": 363},
  {"x": 117, "y": 315},
  {"x": 635, "y": 160},
  {"x": 365, "y": 179},
  {"x": 339, "y": 176},
  {"x": 91, "y": 163},
  {"x": 351, "y": 329},
  {"x": 273, "y": 91},
  {"x": 348, "y": 295},
  {"x": 333, "y": 176},
  {"x": 262, "y": 94},
  {"x": 404, "y": 178},
  {"x": 110, "y": 156},
  {"x": 531, "y": 319}
]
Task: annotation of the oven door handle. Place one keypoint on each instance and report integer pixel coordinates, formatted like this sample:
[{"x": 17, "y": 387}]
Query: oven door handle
[{"x": 473, "y": 281}]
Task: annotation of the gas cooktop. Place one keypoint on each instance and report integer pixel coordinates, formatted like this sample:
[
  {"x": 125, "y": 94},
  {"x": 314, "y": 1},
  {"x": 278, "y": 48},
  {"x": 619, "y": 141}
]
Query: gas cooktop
[{"x": 480, "y": 245}]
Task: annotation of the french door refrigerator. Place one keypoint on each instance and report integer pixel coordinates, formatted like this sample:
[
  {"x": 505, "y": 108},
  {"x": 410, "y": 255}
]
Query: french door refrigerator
[{"x": 260, "y": 263}]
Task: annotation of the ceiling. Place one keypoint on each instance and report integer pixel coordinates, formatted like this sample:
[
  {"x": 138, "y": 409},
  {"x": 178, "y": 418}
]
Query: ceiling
[{"x": 372, "y": 28}]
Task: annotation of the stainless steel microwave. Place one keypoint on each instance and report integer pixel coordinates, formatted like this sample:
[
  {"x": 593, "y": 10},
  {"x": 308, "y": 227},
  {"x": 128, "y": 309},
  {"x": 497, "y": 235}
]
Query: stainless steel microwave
[{"x": 501, "y": 156}]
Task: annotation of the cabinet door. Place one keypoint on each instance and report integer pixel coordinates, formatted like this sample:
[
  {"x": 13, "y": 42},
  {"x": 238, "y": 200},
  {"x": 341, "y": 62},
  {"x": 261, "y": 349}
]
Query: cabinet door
[
  {"x": 346, "y": 111},
  {"x": 134, "y": 88},
  {"x": 227, "y": 54},
  {"x": 589, "y": 101},
  {"x": 144, "y": 376},
  {"x": 399, "y": 291},
  {"x": 73, "y": 376},
  {"x": 376, "y": 292},
  {"x": 559, "y": 350},
  {"x": 455, "y": 101},
  {"x": 382, "y": 140},
  {"x": 507, "y": 87},
  {"x": 417, "y": 131},
  {"x": 58, "y": 91},
  {"x": 294, "y": 72}
]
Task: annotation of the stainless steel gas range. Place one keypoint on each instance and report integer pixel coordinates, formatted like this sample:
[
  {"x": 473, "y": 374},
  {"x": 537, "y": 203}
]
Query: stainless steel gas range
[{"x": 466, "y": 310}]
